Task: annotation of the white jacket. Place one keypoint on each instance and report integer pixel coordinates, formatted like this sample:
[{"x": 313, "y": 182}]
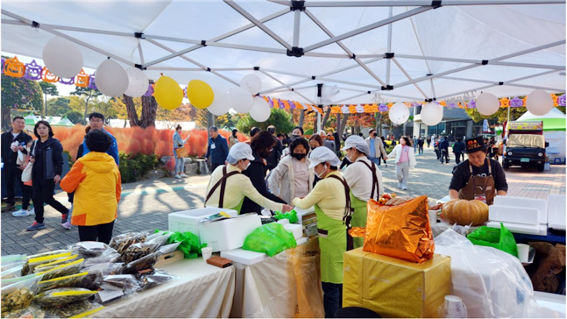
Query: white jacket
[
  {"x": 280, "y": 181},
  {"x": 397, "y": 152}
]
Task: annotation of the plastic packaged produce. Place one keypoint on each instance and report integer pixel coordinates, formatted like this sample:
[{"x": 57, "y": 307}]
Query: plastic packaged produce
[
  {"x": 33, "y": 311},
  {"x": 55, "y": 298},
  {"x": 493, "y": 237},
  {"x": 89, "y": 249},
  {"x": 13, "y": 272},
  {"x": 122, "y": 242},
  {"x": 77, "y": 309},
  {"x": 105, "y": 269},
  {"x": 50, "y": 265},
  {"x": 69, "y": 268},
  {"x": 146, "y": 262},
  {"x": 166, "y": 249},
  {"x": 11, "y": 261},
  {"x": 126, "y": 282},
  {"x": 66, "y": 281},
  {"x": 20, "y": 294},
  {"x": 40, "y": 259},
  {"x": 108, "y": 256},
  {"x": 491, "y": 283},
  {"x": 291, "y": 215},
  {"x": 270, "y": 239},
  {"x": 135, "y": 251},
  {"x": 153, "y": 279}
]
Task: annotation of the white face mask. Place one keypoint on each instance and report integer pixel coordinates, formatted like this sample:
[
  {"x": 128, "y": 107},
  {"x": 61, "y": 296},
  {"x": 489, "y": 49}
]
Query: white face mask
[
  {"x": 321, "y": 175},
  {"x": 246, "y": 167}
]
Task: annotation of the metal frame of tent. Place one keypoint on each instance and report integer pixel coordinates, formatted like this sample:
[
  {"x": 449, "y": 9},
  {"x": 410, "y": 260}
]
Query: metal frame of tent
[{"x": 302, "y": 8}]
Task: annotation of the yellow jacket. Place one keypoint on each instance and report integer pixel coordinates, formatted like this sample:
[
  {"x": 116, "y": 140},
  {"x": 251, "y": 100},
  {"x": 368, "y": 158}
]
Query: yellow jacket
[
  {"x": 95, "y": 179},
  {"x": 328, "y": 194}
]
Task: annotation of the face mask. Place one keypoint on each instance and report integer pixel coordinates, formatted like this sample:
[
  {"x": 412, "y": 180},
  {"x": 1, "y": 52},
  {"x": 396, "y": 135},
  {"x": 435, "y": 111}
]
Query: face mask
[
  {"x": 298, "y": 156},
  {"x": 322, "y": 174},
  {"x": 295, "y": 136}
]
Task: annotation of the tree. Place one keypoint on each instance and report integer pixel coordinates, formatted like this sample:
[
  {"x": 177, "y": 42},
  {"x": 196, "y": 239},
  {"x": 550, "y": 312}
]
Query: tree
[
  {"x": 281, "y": 119},
  {"x": 89, "y": 94},
  {"x": 500, "y": 116},
  {"x": 47, "y": 89},
  {"x": 58, "y": 106},
  {"x": 74, "y": 116},
  {"x": 148, "y": 110},
  {"x": 19, "y": 93}
]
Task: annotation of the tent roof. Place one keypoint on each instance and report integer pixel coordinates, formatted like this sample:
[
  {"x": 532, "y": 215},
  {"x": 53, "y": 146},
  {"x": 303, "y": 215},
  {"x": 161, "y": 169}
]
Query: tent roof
[
  {"x": 554, "y": 120},
  {"x": 441, "y": 49}
]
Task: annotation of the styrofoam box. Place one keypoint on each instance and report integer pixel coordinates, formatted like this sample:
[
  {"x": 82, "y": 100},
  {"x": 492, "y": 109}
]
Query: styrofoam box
[
  {"x": 556, "y": 212},
  {"x": 229, "y": 233},
  {"x": 519, "y": 215},
  {"x": 521, "y": 228},
  {"x": 245, "y": 257},
  {"x": 523, "y": 202},
  {"x": 295, "y": 229},
  {"x": 188, "y": 220}
]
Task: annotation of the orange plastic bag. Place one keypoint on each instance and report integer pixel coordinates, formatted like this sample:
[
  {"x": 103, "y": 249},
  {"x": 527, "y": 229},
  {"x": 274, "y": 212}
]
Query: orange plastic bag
[{"x": 401, "y": 231}]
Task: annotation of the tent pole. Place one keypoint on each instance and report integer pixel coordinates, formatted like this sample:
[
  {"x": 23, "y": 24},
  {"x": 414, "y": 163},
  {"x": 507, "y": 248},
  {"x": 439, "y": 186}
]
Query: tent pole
[
  {"x": 287, "y": 86},
  {"x": 505, "y": 83},
  {"x": 296, "y": 20},
  {"x": 369, "y": 27},
  {"x": 259, "y": 24},
  {"x": 414, "y": 3},
  {"x": 389, "y": 47},
  {"x": 408, "y": 76},
  {"x": 351, "y": 97},
  {"x": 350, "y": 67},
  {"x": 350, "y": 83},
  {"x": 140, "y": 52},
  {"x": 283, "y": 85},
  {"x": 218, "y": 38}
]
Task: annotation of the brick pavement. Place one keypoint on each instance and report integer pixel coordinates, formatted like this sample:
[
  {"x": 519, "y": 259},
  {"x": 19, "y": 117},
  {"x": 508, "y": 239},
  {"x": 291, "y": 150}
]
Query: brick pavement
[{"x": 145, "y": 205}]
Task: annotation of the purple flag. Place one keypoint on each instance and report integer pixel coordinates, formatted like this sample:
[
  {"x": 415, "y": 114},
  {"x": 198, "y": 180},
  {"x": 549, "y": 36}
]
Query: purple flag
[
  {"x": 516, "y": 102},
  {"x": 33, "y": 71}
]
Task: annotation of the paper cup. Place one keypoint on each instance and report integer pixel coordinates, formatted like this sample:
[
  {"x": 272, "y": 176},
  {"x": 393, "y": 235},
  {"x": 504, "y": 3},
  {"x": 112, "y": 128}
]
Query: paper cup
[
  {"x": 207, "y": 252},
  {"x": 523, "y": 252},
  {"x": 454, "y": 307}
]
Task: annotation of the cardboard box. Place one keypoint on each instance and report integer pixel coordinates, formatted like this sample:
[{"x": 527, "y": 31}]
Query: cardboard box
[
  {"x": 190, "y": 220},
  {"x": 393, "y": 287}
]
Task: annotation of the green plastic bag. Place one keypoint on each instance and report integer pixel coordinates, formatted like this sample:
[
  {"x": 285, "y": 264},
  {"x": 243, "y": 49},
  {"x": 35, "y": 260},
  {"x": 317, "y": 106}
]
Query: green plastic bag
[
  {"x": 271, "y": 239},
  {"x": 291, "y": 215},
  {"x": 501, "y": 239},
  {"x": 190, "y": 243}
]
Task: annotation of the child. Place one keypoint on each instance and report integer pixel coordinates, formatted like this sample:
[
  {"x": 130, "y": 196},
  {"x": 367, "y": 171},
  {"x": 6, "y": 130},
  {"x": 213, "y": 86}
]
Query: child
[{"x": 95, "y": 179}]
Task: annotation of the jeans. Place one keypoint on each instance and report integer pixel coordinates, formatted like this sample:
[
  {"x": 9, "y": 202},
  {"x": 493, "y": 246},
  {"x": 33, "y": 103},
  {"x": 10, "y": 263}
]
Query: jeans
[
  {"x": 458, "y": 157},
  {"x": 402, "y": 172},
  {"x": 101, "y": 233},
  {"x": 332, "y": 298},
  {"x": 43, "y": 193},
  {"x": 420, "y": 149},
  {"x": 375, "y": 160},
  {"x": 179, "y": 165},
  {"x": 13, "y": 177},
  {"x": 444, "y": 155}
]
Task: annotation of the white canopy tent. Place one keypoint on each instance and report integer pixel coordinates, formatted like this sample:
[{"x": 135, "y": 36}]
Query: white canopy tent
[{"x": 370, "y": 50}]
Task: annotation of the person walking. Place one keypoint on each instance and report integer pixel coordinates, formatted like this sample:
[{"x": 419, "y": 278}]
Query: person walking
[
  {"x": 444, "y": 149},
  {"x": 458, "y": 150},
  {"x": 420, "y": 142},
  {"x": 96, "y": 122},
  {"x": 429, "y": 142},
  {"x": 233, "y": 139},
  {"x": 47, "y": 159},
  {"x": 217, "y": 148},
  {"x": 179, "y": 152},
  {"x": 96, "y": 183},
  {"x": 404, "y": 159},
  {"x": 376, "y": 148},
  {"x": 14, "y": 143}
]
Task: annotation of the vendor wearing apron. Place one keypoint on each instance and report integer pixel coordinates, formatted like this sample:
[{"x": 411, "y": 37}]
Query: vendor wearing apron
[
  {"x": 364, "y": 180},
  {"x": 478, "y": 177},
  {"x": 228, "y": 187},
  {"x": 331, "y": 200}
]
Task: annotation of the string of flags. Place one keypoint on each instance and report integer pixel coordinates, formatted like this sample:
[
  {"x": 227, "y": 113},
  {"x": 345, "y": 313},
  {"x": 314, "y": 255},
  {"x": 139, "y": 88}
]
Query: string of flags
[{"x": 32, "y": 71}]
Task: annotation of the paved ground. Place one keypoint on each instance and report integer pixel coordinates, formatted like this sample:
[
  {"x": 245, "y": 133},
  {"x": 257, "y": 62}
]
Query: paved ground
[{"x": 145, "y": 205}]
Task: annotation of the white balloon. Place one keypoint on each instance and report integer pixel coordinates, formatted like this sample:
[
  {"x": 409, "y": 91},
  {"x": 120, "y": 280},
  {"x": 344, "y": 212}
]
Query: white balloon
[
  {"x": 431, "y": 114},
  {"x": 110, "y": 78},
  {"x": 487, "y": 103},
  {"x": 539, "y": 102},
  {"x": 251, "y": 83},
  {"x": 62, "y": 57},
  {"x": 260, "y": 110},
  {"x": 240, "y": 99},
  {"x": 399, "y": 113},
  {"x": 221, "y": 102},
  {"x": 137, "y": 82}
]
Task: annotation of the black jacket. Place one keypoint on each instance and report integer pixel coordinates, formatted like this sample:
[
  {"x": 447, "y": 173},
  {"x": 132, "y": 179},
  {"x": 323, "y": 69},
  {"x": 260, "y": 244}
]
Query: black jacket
[
  {"x": 274, "y": 158},
  {"x": 459, "y": 147},
  {"x": 48, "y": 159},
  {"x": 9, "y": 157},
  {"x": 257, "y": 174}
]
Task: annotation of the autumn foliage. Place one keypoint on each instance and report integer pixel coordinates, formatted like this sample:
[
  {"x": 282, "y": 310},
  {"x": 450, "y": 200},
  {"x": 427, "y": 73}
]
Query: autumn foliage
[{"x": 137, "y": 140}]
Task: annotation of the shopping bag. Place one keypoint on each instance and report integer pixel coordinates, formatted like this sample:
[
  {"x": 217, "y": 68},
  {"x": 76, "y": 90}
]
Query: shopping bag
[
  {"x": 180, "y": 152},
  {"x": 270, "y": 239},
  {"x": 501, "y": 239},
  {"x": 27, "y": 173},
  {"x": 401, "y": 231}
]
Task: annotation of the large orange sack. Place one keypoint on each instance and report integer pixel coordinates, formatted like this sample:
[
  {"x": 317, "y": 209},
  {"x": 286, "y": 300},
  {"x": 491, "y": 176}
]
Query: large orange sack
[{"x": 401, "y": 231}]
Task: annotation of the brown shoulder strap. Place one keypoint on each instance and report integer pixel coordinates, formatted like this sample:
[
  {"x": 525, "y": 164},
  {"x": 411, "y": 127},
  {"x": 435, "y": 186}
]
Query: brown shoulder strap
[
  {"x": 489, "y": 167},
  {"x": 348, "y": 212},
  {"x": 222, "y": 183},
  {"x": 374, "y": 179}
]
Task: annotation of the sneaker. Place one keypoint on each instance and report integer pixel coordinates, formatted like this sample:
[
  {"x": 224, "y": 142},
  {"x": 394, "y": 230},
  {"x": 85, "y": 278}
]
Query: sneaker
[
  {"x": 183, "y": 175},
  {"x": 63, "y": 218},
  {"x": 36, "y": 226},
  {"x": 404, "y": 188},
  {"x": 21, "y": 213},
  {"x": 31, "y": 211},
  {"x": 177, "y": 176},
  {"x": 66, "y": 225}
]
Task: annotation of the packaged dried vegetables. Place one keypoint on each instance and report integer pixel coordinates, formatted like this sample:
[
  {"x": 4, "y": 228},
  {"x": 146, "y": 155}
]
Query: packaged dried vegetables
[
  {"x": 105, "y": 269},
  {"x": 136, "y": 251},
  {"x": 20, "y": 294},
  {"x": 122, "y": 242},
  {"x": 33, "y": 311},
  {"x": 55, "y": 298},
  {"x": 78, "y": 309},
  {"x": 126, "y": 282},
  {"x": 50, "y": 265},
  {"x": 89, "y": 249},
  {"x": 75, "y": 280},
  {"x": 11, "y": 261},
  {"x": 11, "y": 273},
  {"x": 142, "y": 263},
  {"x": 69, "y": 268},
  {"x": 153, "y": 279},
  {"x": 40, "y": 259},
  {"x": 108, "y": 256}
]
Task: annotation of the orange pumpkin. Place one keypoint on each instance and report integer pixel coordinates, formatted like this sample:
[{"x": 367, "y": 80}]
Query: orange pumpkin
[{"x": 465, "y": 212}]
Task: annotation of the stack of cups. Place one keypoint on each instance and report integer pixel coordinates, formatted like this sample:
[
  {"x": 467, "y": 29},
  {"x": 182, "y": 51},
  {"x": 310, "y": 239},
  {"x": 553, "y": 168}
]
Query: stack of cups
[
  {"x": 206, "y": 252},
  {"x": 454, "y": 307}
]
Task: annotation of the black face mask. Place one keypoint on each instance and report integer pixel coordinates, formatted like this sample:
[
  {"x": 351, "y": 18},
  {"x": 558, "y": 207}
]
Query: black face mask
[{"x": 298, "y": 156}]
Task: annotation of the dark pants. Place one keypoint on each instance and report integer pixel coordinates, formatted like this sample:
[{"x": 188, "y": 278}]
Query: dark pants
[
  {"x": 101, "y": 233},
  {"x": 421, "y": 149},
  {"x": 444, "y": 156},
  {"x": 458, "y": 156},
  {"x": 43, "y": 193},
  {"x": 332, "y": 298},
  {"x": 438, "y": 153},
  {"x": 14, "y": 178},
  {"x": 215, "y": 165}
]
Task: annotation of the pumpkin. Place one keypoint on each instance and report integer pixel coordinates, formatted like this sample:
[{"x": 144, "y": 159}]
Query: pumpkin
[{"x": 465, "y": 212}]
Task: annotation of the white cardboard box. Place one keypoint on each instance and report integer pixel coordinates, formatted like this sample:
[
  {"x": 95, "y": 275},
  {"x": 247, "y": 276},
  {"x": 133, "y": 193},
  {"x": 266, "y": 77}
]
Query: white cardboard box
[
  {"x": 522, "y": 202},
  {"x": 229, "y": 233},
  {"x": 189, "y": 220},
  {"x": 556, "y": 211},
  {"x": 518, "y": 215},
  {"x": 521, "y": 228},
  {"x": 245, "y": 257}
]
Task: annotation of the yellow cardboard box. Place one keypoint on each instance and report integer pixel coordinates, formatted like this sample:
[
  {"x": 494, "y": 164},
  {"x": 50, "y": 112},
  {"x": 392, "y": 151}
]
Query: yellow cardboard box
[{"x": 393, "y": 287}]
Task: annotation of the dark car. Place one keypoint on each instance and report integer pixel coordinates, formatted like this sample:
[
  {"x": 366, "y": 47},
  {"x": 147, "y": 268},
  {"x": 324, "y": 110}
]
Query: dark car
[{"x": 525, "y": 150}]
